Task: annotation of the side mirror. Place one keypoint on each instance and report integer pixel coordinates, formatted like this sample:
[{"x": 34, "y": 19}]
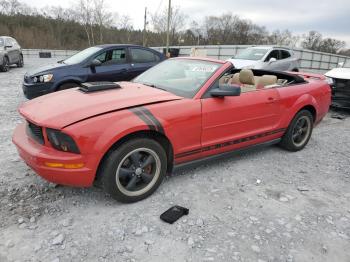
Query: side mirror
[
  {"x": 341, "y": 64},
  {"x": 225, "y": 90},
  {"x": 95, "y": 62},
  {"x": 272, "y": 59}
]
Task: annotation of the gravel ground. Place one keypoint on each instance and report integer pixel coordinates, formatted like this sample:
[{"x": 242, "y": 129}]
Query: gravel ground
[{"x": 265, "y": 205}]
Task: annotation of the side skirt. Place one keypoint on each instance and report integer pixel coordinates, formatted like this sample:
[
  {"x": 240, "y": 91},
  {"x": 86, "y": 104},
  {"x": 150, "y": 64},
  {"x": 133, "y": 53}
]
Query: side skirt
[{"x": 213, "y": 158}]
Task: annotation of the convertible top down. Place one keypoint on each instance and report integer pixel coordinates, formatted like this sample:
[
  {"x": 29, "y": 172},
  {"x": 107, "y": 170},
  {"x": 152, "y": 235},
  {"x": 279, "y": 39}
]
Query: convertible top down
[{"x": 181, "y": 110}]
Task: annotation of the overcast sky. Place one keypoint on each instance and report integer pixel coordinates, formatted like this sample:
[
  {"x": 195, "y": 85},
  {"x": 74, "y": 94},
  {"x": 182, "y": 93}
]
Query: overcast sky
[{"x": 330, "y": 17}]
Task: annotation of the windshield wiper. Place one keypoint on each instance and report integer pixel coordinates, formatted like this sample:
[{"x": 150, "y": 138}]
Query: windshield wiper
[
  {"x": 61, "y": 62},
  {"x": 154, "y": 86}
]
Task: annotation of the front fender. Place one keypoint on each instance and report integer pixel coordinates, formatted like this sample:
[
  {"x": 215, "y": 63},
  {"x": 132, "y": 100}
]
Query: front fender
[
  {"x": 64, "y": 80},
  {"x": 96, "y": 135}
]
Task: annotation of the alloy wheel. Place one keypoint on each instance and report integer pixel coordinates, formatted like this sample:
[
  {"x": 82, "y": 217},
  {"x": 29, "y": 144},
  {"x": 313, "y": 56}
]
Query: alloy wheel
[
  {"x": 138, "y": 172},
  {"x": 301, "y": 131}
]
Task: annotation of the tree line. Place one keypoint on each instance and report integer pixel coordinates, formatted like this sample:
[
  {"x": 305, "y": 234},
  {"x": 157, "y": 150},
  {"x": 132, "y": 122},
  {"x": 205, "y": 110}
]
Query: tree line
[{"x": 89, "y": 22}]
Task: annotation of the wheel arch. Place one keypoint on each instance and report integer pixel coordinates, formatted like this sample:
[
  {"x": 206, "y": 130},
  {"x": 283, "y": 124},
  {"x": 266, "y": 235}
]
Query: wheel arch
[
  {"x": 66, "y": 81},
  {"x": 159, "y": 137},
  {"x": 305, "y": 102},
  {"x": 311, "y": 109}
]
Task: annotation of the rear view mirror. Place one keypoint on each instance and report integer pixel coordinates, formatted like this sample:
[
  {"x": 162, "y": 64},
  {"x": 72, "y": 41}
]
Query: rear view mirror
[
  {"x": 95, "y": 62},
  {"x": 225, "y": 90},
  {"x": 272, "y": 59},
  {"x": 341, "y": 64}
]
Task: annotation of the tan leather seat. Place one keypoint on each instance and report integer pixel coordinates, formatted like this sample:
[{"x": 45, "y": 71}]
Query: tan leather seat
[
  {"x": 246, "y": 77},
  {"x": 235, "y": 79},
  {"x": 266, "y": 81}
]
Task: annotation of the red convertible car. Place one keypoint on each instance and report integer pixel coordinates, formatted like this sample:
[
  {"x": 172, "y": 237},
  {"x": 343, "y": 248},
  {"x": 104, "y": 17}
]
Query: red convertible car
[{"x": 184, "y": 109}]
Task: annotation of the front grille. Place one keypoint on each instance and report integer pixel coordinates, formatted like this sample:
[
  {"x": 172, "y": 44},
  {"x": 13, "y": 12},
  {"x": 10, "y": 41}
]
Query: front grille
[
  {"x": 342, "y": 86},
  {"x": 35, "y": 132}
]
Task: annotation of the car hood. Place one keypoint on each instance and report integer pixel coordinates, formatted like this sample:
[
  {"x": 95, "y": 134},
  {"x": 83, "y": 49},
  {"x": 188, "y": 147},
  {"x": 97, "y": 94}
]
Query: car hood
[
  {"x": 240, "y": 63},
  {"x": 46, "y": 68},
  {"x": 63, "y": 108},
  {"x": 340, "y": 73}
]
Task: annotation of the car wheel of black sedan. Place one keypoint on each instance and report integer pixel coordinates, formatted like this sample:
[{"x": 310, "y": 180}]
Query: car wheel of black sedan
[
  {"x": 5, "y": 65},
  {"x": 299, "y": 131},
  {"x": 20, "y": 62},
  {"x": 134, "y": 170}
]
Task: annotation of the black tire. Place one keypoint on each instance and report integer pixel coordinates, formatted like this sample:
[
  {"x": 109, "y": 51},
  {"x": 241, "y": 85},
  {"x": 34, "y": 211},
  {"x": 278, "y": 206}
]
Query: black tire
[
  {"x": 20, "y": 62},
  {"x": 120, "y": 171},
  {"x": 299, "y": 132},
  {"x": 5, "y": 66},
  {"x": 67, "y": 86}
]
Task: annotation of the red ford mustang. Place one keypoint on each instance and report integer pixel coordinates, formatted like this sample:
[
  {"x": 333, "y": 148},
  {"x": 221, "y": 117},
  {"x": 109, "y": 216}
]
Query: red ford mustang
[{"x": 129, "y": 137}]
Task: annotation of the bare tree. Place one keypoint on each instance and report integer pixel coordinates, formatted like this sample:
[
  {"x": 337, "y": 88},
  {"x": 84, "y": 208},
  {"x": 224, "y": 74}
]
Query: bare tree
[
  {"x": 314, "y": 41},
  {"x": 85, "y": 16},
  {"x": 102, "y": 16},
  {"x": 177, "y": 23},
  {"x": 283, "y": 38}
]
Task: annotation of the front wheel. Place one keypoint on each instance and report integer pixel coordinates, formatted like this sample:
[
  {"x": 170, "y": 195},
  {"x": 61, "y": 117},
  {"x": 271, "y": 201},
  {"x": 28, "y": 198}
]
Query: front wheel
[
  {"x": 299, "y": 132},
  {"x": 134, "y": 170}
]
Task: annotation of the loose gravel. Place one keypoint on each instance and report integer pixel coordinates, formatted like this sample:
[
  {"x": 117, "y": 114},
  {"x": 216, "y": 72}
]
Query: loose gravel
[{"x": 265, "y": 205}]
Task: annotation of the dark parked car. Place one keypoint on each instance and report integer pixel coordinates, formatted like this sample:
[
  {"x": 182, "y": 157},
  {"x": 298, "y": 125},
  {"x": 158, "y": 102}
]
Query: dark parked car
[
  {"x": 10, "y": 53},
  {"x": 98, "y": 63}
]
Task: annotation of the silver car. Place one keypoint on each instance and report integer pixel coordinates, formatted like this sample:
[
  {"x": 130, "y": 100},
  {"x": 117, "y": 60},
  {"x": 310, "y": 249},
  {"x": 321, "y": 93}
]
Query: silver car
[
  {"x": 266, "y": 57},
  {"x": 10, "y": 53}
]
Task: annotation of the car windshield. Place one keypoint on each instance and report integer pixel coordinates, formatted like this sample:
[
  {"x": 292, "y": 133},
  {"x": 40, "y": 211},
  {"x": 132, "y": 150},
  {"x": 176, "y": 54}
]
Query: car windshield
[
  {"x": 1, "y": 42},
  {"x": 81, "y": 56},
  {"x": 347, "y": 64},
  {"x": 251, "y": 54},
  {"x": 182, "y": 77}
]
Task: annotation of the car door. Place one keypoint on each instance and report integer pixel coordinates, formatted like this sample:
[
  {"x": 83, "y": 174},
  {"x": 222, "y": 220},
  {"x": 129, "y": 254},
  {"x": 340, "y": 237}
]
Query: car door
[
  {"x": 16, "y": 50},
  {"x": 247, "y": 118},
  {"x": 10, "y": 50},
  {"x": 272, "y": 65},
  {"x": 141, "y": 60},
  {"x": 114, "y": 66},
  {"x": 286, "y": 60}
]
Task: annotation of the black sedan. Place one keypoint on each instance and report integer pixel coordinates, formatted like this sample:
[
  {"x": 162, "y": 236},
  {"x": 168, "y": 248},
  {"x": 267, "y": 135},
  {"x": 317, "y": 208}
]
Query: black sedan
[{"x": 98, "y": 63}]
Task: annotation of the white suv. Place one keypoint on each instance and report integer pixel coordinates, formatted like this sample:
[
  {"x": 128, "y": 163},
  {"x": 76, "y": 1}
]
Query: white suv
[{"x": 266, "y": 57}]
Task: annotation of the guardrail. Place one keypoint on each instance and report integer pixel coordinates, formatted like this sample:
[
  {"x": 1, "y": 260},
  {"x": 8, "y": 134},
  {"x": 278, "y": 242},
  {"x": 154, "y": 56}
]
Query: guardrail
[
  {"x": 34, "y": 53},
  {"x": 309, "y": 60},
  {"x": 312, "y": 61}
]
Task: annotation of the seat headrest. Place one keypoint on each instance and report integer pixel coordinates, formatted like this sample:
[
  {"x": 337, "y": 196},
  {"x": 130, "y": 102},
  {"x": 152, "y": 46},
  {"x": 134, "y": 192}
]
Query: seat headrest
[
  {"x": 267, "y": 80},
  {"x": 246, "y": 77},
  {"x": 235, "y": 79}
]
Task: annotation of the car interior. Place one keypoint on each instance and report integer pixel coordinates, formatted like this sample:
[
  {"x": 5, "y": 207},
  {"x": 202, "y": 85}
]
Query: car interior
[{"x": 252, "y": 80}]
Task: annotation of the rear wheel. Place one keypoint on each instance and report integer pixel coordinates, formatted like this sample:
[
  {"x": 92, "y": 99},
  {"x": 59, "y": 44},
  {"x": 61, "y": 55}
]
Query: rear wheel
[
  {"x": 5, "y": 64},
  {"x": 20, "y": 62},
  {"x": 299, "y": 131},
  {"x": 134, "y": 170}
]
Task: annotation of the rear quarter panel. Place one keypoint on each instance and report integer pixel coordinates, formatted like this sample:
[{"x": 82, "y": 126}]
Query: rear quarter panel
[{"x": 293, "y": 98}]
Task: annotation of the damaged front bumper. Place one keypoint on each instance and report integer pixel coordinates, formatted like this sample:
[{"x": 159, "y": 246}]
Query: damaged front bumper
[{"x": 341, "y": 93}]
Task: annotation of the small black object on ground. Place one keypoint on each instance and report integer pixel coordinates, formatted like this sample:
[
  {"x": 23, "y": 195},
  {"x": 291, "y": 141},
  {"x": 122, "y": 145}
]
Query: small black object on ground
[{"x": 173, "y": 214}]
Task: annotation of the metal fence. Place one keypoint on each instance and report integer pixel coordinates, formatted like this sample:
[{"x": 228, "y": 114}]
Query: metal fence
[
  {"x": 34, "y": 53},
  {"x": 311, "y": 61}
]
